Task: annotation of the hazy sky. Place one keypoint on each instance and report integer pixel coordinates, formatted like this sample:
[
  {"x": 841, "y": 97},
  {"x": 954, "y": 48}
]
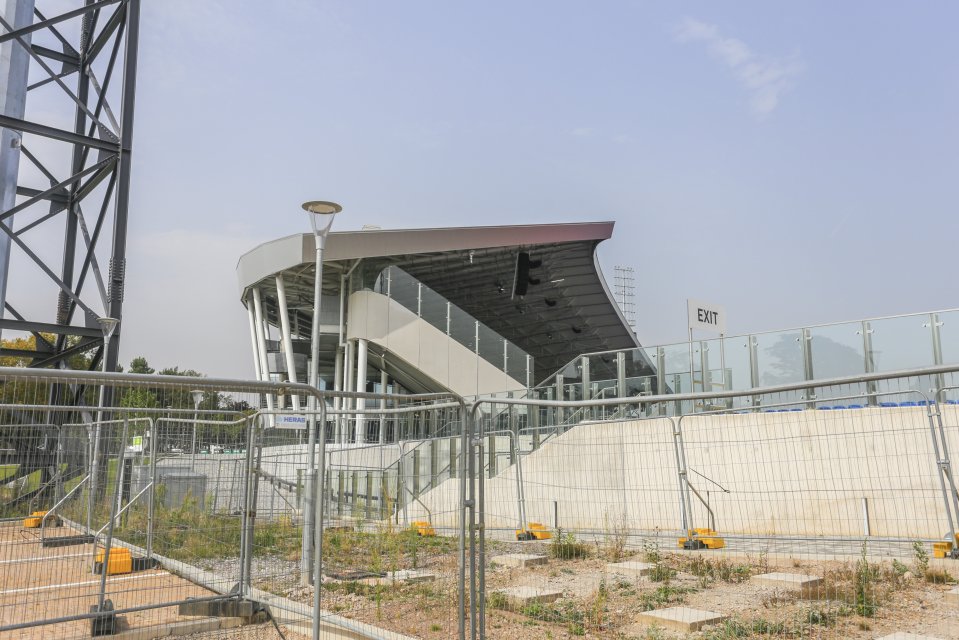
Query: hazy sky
[{"x": 795, "y": 162}]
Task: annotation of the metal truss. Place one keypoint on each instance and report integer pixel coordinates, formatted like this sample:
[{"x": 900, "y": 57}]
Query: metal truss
[{"x": 83, "y": 57}]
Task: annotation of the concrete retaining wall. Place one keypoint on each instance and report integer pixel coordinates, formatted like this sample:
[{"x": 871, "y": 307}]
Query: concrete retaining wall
[{"x": 803, "y": 473}]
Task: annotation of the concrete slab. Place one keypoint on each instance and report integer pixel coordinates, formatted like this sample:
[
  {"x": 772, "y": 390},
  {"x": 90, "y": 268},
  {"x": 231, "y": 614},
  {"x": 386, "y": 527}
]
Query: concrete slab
[
  {"x": 517, "y": 597},
  {"x": 681, "y": 618},
  {"x": 630, "y": 568},
  {"x": 953, "y": 596},
  {"x": 408, "y": 576},
  {"x": 519, "y": 560},
  {"x": 412, "y": 576},
  {"x": 899, "y": 635},
  {"x": 788, "y": 581}
]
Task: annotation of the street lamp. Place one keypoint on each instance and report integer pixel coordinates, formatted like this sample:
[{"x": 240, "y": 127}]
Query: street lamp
[
  {"x": 197, "y": 399},
  {"x": 321, "y": 219}
]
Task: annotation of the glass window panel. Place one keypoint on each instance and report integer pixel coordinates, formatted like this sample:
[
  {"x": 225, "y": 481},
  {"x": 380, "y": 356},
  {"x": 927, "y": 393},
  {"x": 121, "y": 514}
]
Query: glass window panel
[
  {"x": 711, "y": 358},
  {"x": 676, "y": 357},
  {"x": 780, "y": 358},
  {"x": 677, "y": 383},
  {"x": 736, "y": 357},
  {"x": 640, "y": 362},
  {"x": 949, "y": 336},
  {"x": 516, "y": 362},
  {"x": 462, "y": 327},
  {"x": 573, "y": 371},
  {"x": 645, "y": 385},
  {"x": 902, "y": 343},
  {"x": 837, "y": 350},
  {"x": 602, "y": 366},
  {"x": 490, "y": 346},
  {"x": 433, "y": 308},
  {"x": 404, "y": 288}
]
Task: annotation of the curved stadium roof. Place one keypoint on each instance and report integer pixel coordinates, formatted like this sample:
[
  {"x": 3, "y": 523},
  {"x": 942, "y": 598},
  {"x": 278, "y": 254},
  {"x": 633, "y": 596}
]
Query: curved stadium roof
[{"x": 568, "y": 309}]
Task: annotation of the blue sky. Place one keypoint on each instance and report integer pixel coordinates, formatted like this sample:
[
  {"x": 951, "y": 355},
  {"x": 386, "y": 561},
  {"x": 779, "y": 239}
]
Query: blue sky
[{"x": 795, "y": 162}]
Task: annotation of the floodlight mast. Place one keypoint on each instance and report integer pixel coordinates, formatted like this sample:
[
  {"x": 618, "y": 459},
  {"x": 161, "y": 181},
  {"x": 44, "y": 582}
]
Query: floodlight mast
[{"x": 321, "y": 214}]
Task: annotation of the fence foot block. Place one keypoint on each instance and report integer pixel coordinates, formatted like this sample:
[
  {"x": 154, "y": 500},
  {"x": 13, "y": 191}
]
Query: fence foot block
[
  {"x": 66, "y": 541},
  {"x": 105, "y": 622},
  {"x": 218, "y": 609}
]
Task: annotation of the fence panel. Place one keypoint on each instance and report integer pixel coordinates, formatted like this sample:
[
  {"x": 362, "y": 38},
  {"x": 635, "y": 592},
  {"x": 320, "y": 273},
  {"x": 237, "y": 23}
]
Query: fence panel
[
  {"x": 189, "y": 489},
  {"x": 815, "y": 512}
]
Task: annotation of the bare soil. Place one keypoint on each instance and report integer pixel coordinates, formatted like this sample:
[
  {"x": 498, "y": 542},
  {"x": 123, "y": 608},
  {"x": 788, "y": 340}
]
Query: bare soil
[{"x": 855, "y": 602}]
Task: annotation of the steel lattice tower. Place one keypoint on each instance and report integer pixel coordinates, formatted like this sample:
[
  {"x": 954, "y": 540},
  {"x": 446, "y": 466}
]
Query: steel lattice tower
[{"x": 64, "y": 184}]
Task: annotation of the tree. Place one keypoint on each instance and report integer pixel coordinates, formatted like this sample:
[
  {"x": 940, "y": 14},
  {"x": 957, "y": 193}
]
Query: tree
[
  {"x": 140, "y": 365},
  {"x": 79, "y": 361}
]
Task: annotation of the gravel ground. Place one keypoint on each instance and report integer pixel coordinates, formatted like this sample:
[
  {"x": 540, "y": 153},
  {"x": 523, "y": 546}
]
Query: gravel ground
[{"x": 598, "y": 604}]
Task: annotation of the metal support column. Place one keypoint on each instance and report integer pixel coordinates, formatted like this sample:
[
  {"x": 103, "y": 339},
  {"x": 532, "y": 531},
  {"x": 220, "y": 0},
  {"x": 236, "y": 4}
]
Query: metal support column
[
  {"x": 808, "y": 373},
  {"x": 14, "y": 69},
  {"x": 338, "y": 420},
  {"x": 261, "y": 343},
  {"x": 560, "y": 395},
  {"x": 362, "y": 348},
  {"x": 287, "y": 338},
  {"x": 935, "y": 323},
  {"x": 754, "y": 366},
  {"x": 584, "y": 367},
  {"x": 869, "y": 363},
  {"x": 347, "y": 385},
  {"x": 384, "y": 385}
]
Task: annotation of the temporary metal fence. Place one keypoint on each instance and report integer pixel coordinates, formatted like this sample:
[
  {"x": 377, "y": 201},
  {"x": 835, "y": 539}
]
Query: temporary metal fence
[
  {"x": 212, "y": 497},
  {"x": 221, "y": 505},
  {"x": 846, "y": 484}
]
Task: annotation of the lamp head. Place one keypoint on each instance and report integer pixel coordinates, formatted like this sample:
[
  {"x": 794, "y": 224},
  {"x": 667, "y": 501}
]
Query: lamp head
[
  {"x": 197, "y": 397},
  {"x": 108, "y": 326},
  {"x": 321, "y": 215}
]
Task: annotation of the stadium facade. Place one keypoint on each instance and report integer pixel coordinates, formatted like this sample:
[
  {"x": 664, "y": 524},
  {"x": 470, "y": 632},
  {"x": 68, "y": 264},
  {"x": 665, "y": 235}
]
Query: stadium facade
[{"x": 471, "y": 310}]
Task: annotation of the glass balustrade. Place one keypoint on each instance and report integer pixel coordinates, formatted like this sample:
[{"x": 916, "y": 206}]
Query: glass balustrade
[
  {"x": 456, "y": 323},
  {"x": 749, "y": 361}
]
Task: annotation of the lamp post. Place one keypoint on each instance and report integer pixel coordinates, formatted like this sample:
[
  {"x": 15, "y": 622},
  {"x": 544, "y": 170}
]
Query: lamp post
[
  {"x": 108, "y": 326},
  {"x": 321, "y": 219},
  {"x": 197, "y": 399}
]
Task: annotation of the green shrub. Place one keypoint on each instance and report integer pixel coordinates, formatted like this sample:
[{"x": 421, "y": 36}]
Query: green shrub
[{"x": 565, "y": 547}]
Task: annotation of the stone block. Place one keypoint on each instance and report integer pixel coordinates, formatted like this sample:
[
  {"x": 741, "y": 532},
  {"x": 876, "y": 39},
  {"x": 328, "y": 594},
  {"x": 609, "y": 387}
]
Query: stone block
[
  {"x": 681, "y": 618},
  {"x": 407, "y": 576},
  {"x": 796, "y": 581},
  {"x": 519, "y": 560},
  {"x": 631, "y": 568},
  {"x": 953, "y": 596},
  {"x": 518, "y": 597}
]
